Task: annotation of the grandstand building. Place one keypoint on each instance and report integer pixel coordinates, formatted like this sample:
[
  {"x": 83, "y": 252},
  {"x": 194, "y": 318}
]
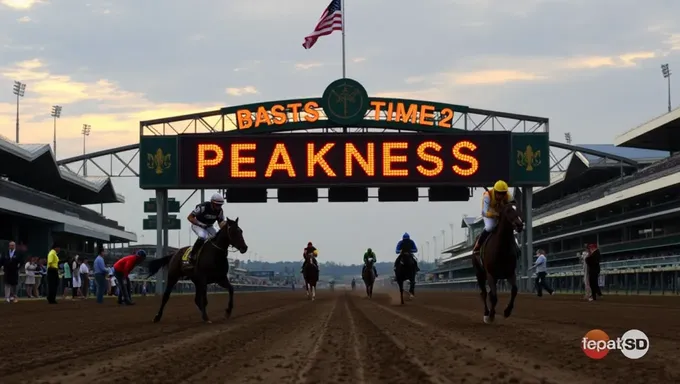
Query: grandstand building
[
  {"x": 631, "y": 209},
  {"x": 41, "y": 202}
]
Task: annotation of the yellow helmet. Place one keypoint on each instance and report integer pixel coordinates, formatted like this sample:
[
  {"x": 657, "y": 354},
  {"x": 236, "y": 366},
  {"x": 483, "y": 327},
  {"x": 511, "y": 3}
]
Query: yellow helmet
[{"x": 500, "y": 186}]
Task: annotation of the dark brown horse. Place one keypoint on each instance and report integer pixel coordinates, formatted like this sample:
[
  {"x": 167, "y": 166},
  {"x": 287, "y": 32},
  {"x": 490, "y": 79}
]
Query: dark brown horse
[
  {"x": 497, "y": 260},
  {"x": 310, "y": 272},
  {"x": 406, "y": 270},
  {"x": 211, "y": 267},
  {"x": 368, "y": 275}
]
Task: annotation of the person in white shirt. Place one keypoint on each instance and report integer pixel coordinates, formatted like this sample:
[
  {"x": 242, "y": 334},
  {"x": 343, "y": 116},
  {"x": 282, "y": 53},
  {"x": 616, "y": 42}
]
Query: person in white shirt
[
  {"x": 75, "y": 273},
  {"x": 84, "y": 278},
  {"x": 541, "y": 271}
]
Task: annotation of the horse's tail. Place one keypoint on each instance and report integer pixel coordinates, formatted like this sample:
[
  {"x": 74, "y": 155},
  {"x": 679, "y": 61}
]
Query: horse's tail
[{"x": 156, "y": 264}]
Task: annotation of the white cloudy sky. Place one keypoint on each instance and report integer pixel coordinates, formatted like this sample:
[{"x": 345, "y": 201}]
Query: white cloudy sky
[{"x": 591, "y": 66}]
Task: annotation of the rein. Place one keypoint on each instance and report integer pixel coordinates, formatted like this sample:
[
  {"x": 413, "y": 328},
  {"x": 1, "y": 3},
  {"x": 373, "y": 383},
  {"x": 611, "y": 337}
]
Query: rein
[{"x": 212, "y": 242}]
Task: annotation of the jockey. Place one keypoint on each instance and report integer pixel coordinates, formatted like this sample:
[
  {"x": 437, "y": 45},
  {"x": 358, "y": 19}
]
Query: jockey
[
  {"x": 406, "y": 245},
  {"x": 309, "y": 249},
  {"x": 369, "y": 255},
  {"x": 490, "y": 209},
  {"x": 202, "y": 219}
]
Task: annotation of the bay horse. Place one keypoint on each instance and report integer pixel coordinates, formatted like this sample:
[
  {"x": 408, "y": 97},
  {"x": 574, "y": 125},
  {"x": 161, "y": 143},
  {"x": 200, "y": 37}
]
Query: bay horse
[
  {"x": 211, "y": 267},
  {"x": 310, "y": 272},
  {"x": 368, "y": 275},
  {"x": 497, "y": 260},
  {"x": 406, "y": 270}
]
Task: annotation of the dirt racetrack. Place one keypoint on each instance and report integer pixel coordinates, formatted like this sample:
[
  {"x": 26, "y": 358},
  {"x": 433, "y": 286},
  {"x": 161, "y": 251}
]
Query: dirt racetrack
[{"x": 280, "y": 337}]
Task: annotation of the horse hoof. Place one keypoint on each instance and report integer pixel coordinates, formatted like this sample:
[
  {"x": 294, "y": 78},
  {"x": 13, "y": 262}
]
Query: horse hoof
[
  {"x": 207, "y": 321},
  {"x": 487, "y": 320},
  {"x": 507, "y": 313},
  {"x": 156, "y": 319}
]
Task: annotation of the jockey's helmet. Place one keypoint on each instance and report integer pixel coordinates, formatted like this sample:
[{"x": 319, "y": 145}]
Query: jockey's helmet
[
  {"x": 369, "y": 250},
  {"x": 141, "y": 253},
  {"x": 406, "y": 236},
  {"x": 500, "y": 187},
  {"x": 309, "y": 244},
  {"x": 217, "y": 199}
]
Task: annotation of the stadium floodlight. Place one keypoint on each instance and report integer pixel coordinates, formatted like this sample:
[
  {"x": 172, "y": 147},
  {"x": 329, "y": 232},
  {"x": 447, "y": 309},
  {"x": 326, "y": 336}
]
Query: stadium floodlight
[
  {"x": 567, "y": 137},
  {"x": 666, "y": 72},
  {"x": 19, "y": 89},
  {"x": 86, "y": 132},
  {"x": 56, "y": 113}
]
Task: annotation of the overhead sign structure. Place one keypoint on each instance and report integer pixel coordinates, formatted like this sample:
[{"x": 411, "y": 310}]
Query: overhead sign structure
[
  {"x": 345, "y": 102},
  {"x": 352, "y": 159},
  {"x": 248, "y": 155}
]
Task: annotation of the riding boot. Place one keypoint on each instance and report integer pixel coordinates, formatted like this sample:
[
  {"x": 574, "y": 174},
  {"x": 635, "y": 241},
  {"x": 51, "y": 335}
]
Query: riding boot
[
  {"x": 302, "y": 268},
  {"x": 480, "y": 241},
  {"x": 416, "y": 263},
  {"x": 194, "y": 250}
]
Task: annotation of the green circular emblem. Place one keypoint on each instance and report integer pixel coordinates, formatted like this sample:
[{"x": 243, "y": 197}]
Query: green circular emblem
[{"x": 345, "y": 102}]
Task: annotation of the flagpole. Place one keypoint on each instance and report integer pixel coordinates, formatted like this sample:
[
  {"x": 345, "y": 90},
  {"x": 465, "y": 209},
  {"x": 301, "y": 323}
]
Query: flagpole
[{"x": 344, "y": 69}]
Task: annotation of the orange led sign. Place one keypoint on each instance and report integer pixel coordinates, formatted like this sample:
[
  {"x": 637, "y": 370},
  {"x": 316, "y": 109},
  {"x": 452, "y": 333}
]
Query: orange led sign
[
  {"x": 360, "y": 159},
  {"x": 310, "y": 111}
]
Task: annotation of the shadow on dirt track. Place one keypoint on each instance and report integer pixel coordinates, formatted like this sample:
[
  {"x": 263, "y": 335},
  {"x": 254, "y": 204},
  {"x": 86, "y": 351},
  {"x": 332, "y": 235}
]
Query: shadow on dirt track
[{"x": 280, "y": 337}]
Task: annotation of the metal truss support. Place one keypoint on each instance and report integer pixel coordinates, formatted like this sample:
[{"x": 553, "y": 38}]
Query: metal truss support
[{"x": 122, "y": 162}]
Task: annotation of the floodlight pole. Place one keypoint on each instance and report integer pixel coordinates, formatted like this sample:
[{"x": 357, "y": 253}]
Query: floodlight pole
[
  {"x": 666, "y": 72},
  {"x": 86, "y": 132},
  {"x": 19, "y": 90},
  {"x": 56, "y": 113}
]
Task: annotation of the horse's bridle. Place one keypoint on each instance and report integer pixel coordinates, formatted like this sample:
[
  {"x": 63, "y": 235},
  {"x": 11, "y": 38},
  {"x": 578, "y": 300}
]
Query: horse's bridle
[{"x": 212, "y": 242}]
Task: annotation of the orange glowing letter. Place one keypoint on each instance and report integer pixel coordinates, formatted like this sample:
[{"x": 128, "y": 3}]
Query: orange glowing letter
[
  {"x": 389, "y": 158},
  {"x": 366, "y": 163},
  {"x": 377, "y": 105},
  {"x": 404, "y": 115},
  {"x": 295, "y": 111},
  {"x": 427, "y": 115},
  {"x": 244, "y": 119},
  {"x": 237, "y": 160},
  {"x": 434, "y": 159},
  {"x": 474, "y": 163},
  {"x": 311, "y": 112},
  {"x": 280, "y": 161},
  {"x": 262, "y": 117},
  {"x": 279, "y": 114},
  {"x": 317, "y": 158},
  {"x": 204, "y": 161}
]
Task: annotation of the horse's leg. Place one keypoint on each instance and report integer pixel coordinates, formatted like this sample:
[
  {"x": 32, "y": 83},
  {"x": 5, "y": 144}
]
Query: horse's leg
[
  {"x": 481, "y": 281},
  {"x": 401, "y": 290},
  {"x": 226, "y": 284},
  {"x": 368, "y": 289},
  {"x": 513, "y": 294},
  {"x": 201, "y": 298},
  {"x": 173, "y": 278},
  {"x": 412, "y": 287},
  {"x": 493, "y": 297},
  {"x": 313, "y": 291}
]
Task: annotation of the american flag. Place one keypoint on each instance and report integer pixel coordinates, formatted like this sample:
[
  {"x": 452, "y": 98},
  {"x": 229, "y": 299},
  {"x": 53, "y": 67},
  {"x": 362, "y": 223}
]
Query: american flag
[{"x": 331, "y": 20}]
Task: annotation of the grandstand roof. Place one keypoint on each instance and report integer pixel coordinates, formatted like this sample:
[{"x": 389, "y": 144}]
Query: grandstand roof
[
  {"x": 661, "y": 133},
  {"x": 33, "y": 165},
  {"x": 587, "y": 166},
  {"x": 643, "y": 156}
]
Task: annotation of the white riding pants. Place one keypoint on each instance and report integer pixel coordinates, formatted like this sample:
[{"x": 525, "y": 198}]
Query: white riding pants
[
  {"x": 203, "y": 233},
  {"x": 490, "y": 223}
]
